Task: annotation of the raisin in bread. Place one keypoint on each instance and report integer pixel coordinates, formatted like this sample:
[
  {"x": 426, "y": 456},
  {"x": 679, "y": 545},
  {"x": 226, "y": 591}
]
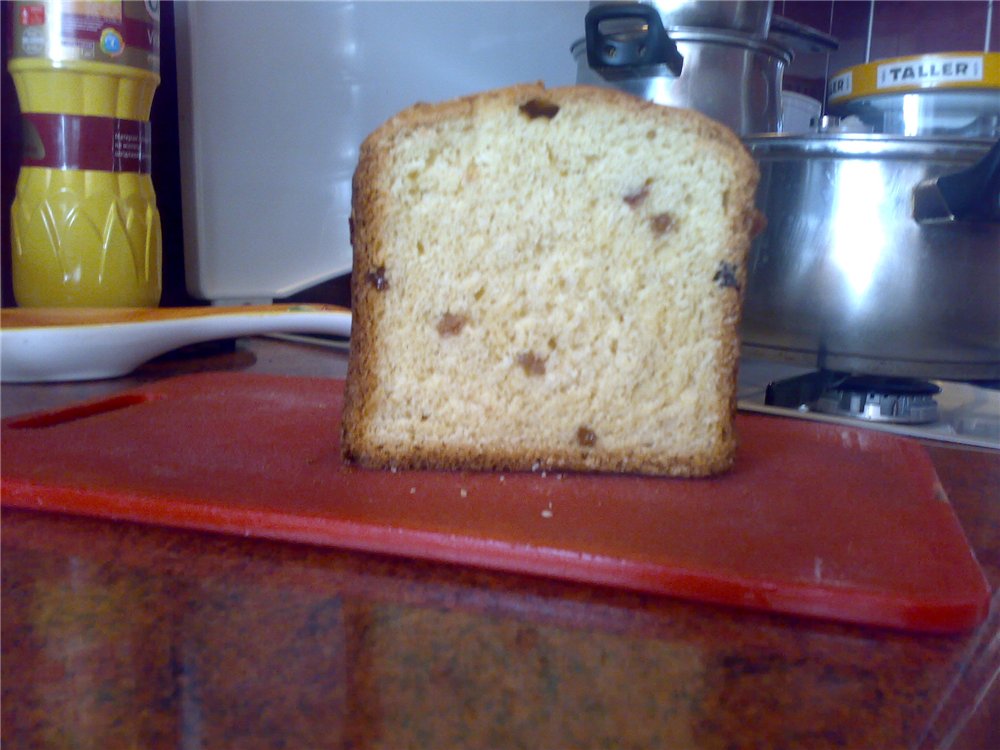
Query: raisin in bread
[{"x": 547, "y": 279}]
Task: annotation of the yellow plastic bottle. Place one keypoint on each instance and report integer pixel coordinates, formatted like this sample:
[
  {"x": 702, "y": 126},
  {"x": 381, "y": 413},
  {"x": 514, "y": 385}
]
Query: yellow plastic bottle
[{"x": 85, "y": 231}]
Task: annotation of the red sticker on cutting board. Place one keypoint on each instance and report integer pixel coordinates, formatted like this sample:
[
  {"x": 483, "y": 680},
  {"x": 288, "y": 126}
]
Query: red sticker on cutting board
[{"x": 106, "y": 144}]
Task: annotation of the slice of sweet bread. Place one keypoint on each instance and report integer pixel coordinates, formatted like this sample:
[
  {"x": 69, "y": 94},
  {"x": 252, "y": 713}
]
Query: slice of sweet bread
[{"x": 548, "y": 278}]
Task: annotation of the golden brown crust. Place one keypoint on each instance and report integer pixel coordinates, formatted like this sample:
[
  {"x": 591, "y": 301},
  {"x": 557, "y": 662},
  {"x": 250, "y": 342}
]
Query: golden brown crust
[
  {"x": 364, "y": 346},
  {"x": 370, "y": 281},
  {"x": 455, "y": 459}
]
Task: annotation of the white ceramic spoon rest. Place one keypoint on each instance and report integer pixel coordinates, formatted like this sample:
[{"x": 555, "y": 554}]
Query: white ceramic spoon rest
[{"x": 60, "y": 344}]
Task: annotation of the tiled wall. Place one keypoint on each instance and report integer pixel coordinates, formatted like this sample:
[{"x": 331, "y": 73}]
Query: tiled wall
[{"x": 898, "y": 28}]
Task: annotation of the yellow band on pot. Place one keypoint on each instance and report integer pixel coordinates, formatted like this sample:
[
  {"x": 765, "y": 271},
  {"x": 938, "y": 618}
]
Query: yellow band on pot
[{"x": 941, "y": 70}]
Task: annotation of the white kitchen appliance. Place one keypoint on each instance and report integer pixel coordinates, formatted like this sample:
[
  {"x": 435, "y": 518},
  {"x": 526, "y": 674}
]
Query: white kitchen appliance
[{"x": 274, "y": 101}]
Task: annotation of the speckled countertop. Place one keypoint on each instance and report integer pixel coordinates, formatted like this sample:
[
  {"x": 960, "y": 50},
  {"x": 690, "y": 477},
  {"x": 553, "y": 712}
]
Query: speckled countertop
[{"x": 117, "y": 635}]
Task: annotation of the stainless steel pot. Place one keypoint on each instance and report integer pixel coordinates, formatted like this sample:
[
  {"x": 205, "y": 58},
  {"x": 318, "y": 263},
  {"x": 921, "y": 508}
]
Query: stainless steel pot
[
  {"x": 844, "y": 277},
  {"x": 751, "y": 17},
  {"x": 731, "y": 77}
]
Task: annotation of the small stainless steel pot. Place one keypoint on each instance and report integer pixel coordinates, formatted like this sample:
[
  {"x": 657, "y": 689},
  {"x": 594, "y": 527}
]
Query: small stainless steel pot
[
  {"x": 731, "y": 77},
  {"x": 844, "y": 277}
]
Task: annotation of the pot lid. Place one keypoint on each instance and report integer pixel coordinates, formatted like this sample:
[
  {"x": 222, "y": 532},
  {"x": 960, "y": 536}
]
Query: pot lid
[
  {"x": 916, "y": 73},
  {"x": 692, "y": 35}
]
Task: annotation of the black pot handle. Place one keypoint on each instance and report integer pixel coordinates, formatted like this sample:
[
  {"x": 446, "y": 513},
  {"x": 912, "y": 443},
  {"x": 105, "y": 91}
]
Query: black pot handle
[
  {"x": 622, "y": 56},
  {"x": 970, "y": 195}
]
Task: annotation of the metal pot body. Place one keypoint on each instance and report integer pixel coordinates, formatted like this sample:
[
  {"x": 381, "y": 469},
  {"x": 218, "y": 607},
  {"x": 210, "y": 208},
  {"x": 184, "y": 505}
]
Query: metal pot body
[
  {"x": 751, "y": 17},
  {"x": 844, "y": 278},
  {"x": 730, "y": 77}
]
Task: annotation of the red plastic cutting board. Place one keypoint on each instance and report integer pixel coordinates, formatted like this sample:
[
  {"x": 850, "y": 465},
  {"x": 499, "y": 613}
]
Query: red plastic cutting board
[{"x": 814, "y": 519}]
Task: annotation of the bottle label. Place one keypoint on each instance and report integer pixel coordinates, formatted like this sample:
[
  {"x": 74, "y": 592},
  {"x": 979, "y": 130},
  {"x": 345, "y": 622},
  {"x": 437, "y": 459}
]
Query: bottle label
[
  {"x": 106, "y": 144},
  {"x": 124, "y": 32}
]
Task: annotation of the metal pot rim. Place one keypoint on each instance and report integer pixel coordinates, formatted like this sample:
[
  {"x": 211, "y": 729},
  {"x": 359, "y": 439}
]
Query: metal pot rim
[
  {"x": 848, "y": 145},
  {"x": 682, "y": 34}
]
